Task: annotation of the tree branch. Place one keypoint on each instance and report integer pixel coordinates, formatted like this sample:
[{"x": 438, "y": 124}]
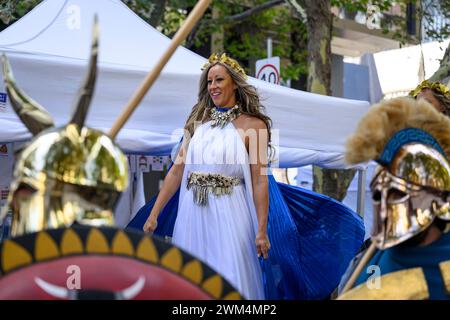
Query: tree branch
[
  {"x": 298, "y": 9},
  {"x": 234, "y": 18},
  {"x": 249, "y": 12},
  {"x": 193, "y": 35},
  {"x": 443, "y": 73}
]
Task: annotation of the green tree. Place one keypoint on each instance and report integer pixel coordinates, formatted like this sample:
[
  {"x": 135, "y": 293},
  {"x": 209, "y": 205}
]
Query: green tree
[
  {"x": 319, "y": 22},
  {"x": 12, "y": 10}
]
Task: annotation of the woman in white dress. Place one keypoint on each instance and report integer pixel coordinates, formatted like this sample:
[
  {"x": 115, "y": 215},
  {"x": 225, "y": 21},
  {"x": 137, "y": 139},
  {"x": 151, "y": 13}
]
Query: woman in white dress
[{"x": 221, "y": 168}]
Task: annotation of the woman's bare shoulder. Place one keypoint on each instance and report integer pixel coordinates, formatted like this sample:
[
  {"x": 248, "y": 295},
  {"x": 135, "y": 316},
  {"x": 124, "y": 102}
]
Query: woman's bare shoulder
[{"x": 251, "y": 122}]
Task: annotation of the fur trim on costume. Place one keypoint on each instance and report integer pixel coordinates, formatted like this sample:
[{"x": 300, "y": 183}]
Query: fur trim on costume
[{"x": 386, "y": 118}]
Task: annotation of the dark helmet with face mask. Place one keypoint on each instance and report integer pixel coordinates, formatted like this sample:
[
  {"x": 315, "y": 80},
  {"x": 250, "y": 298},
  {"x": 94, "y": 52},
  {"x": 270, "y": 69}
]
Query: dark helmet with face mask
[
  {"x": 66, "y": 175},
  {"x": 410, "y": 140}
]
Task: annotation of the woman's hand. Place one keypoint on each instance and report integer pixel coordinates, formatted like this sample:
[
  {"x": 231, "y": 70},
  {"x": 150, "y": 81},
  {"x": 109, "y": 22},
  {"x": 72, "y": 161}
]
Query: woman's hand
[
  {"x": 151, "y": 223},
  {"x": 171, "y": 183},
  {"x": 262, "y": 244}
]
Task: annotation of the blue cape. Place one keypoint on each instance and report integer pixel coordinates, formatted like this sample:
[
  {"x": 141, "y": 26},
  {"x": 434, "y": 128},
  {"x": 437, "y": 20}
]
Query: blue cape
[{"x": 313, "y": 238}]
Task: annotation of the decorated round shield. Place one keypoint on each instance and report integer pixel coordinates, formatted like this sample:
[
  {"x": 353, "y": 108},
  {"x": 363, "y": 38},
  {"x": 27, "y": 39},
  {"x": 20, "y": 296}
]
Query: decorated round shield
[{"x": 83, "y": 262}]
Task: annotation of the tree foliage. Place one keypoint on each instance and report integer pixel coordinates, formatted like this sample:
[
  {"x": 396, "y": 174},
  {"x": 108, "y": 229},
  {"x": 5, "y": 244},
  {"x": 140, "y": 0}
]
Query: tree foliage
[
  {"x": 247, "y": 24},
  {"x": 427, "y": 12},
  {"x": 246, "y": 29},
  {"x": 11, "y": 10}
]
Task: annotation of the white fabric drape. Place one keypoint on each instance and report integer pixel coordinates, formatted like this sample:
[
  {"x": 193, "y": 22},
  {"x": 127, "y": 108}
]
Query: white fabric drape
[{"x": 223, "y": 232}]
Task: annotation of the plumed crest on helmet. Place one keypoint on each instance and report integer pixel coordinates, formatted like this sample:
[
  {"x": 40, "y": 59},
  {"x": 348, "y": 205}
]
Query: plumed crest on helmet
[{"x": 385, "y": 119}]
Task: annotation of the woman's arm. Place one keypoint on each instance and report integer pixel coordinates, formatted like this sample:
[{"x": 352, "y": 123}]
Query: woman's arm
[
  {"x": 170, "y": 185},
  {"x": 260, "y": 183}
]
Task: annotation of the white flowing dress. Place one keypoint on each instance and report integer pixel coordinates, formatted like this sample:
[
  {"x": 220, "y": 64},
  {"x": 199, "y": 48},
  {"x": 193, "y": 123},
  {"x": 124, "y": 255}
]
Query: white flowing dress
[{"x": 223, "y": 232}]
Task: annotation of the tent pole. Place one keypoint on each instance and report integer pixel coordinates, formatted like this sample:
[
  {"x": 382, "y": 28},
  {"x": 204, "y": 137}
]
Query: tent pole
[
  {"x": 360, "y": 204},
  {"x": 179, "y": 37}
]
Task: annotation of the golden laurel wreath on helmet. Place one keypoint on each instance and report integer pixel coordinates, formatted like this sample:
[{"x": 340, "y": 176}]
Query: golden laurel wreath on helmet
[
  {"x": 435, "y": 86},
  {"x": 214, "y": 58}
]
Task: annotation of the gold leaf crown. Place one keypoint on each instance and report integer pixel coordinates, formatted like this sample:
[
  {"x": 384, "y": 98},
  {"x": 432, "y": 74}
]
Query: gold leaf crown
[
  {"x": 435, "y": 86},
  {"x": 214, "y": 58}
]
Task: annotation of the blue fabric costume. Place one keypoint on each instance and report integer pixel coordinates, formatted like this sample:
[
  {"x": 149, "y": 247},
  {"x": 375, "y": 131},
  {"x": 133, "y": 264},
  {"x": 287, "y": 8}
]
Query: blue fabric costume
[
  {"x": 313, "y": 239},
  {"x": 428, "y": 258}
]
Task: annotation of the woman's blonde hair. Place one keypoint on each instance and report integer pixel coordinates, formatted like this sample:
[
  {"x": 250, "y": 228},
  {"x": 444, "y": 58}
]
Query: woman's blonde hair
[{"x": 246, "y": 97}]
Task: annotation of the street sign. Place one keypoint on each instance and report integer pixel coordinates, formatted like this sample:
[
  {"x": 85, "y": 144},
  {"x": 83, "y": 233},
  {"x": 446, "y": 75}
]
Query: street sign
[{"x": 268, "y": 70}]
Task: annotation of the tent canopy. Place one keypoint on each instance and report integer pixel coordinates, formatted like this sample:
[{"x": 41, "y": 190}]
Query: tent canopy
[
  {"x": 400, "y": 70},
  {"x": 48, "y": 50}
]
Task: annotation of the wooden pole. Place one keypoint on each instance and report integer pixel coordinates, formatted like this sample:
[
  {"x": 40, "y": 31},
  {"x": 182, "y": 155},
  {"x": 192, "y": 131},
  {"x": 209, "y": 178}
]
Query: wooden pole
[
  {"x": 179, "y": 37},
  {"x": 367, "y": 256}
]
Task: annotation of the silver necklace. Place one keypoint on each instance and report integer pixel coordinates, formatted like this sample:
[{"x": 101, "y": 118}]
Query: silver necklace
[{"x": 220, "y": 117}]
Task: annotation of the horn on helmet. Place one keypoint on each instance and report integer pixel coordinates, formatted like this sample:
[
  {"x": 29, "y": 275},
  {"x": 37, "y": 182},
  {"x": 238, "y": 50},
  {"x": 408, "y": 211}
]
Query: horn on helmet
[
  {"x": 31, "y": 113},
  {"x": 81, "y": 105}
]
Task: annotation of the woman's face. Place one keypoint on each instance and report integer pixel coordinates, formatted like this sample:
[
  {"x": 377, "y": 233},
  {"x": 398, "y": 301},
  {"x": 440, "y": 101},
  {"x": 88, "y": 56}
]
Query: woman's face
[
  {"x": 427, "y": 94},
  {"x": 221, "y": 87}
]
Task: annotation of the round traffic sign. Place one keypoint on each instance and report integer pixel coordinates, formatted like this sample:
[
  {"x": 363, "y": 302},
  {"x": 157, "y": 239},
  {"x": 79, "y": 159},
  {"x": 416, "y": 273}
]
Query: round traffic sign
[{"x": 269, "y": 73}]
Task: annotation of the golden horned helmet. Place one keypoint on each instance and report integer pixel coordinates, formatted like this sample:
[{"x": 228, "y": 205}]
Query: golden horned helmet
[
  {"x": 410, "y": 140},
  {"x": 66, "y": 175}
]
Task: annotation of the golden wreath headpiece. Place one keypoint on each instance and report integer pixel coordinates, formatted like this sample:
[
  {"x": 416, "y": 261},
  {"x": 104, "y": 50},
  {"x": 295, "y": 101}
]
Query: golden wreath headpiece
[
  {"x": 435, "y": 86},
  {"x": 214, "y": 58}
]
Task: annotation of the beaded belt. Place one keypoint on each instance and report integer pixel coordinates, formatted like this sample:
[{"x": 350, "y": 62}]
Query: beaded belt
[{"x": 203, "y": 183}]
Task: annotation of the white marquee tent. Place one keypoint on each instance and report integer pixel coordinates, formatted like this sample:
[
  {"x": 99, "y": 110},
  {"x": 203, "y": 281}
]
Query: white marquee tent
[
  {"x": 400, "y": 70},
  {"x": 48, "y": 50}
]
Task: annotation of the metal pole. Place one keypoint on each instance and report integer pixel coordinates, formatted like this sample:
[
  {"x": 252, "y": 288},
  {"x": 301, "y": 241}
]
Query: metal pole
[
  {"x": 360, "y": 204},
  {"x": 269, "y": 47}
]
